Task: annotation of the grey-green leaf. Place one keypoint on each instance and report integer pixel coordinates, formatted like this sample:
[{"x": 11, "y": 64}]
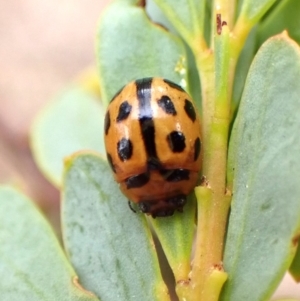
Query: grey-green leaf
[
  {"x": 265, "y": 154},
  {"x": 110, "y": 246},
  {"x": 130, "y": 46},
  {"x": 186, "y": 16},
  {"x": 33, "y": 266},
  {"x": 72, "y": 122},
  {"x": 253, "y": 10}
]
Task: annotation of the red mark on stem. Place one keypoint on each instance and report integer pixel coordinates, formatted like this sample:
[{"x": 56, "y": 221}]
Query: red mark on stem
[
  {"x": 218, "y": 266},
  {"x": 142, "y": 3},
  {"x": 296, "y": 240},
  {"x": 220, "y": 24}
]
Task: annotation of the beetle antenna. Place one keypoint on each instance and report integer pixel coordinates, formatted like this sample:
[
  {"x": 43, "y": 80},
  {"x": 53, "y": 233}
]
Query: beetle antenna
[{"x": 130, "y": 206}]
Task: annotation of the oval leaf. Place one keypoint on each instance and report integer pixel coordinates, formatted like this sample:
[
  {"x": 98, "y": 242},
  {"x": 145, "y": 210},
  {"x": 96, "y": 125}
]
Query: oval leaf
[
  {"x": 33, "y": 266},
  {"x": 72, "y": 122},
  {"x": 131, "y": 47},
  {"x": 110, "y": 246},
  {"x": 265, "y": 216}
]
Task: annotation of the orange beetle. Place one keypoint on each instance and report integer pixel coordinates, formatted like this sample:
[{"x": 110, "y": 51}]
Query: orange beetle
[{"x": 153, "y": 144}]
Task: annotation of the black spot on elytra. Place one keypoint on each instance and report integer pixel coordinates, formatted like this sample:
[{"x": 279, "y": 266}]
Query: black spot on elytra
[
  {"x": 131, "y": 207},
  {"x": 124, "y": 148},
  {"x": 175, "y": 175},
  {"x": 124, "y": 111},
  {"x": 176, "y": 141},
  {"x": 167, "y": 105},
  {"x": 173, "y": 85},
  {"x": 137, "y": 181},
  {"x": 143, "y": 91},
  {"x": 110, "y": 162},
  {"x": 197, "y": 148},
  {"x": 107, "y": 122},
  {"x": 189, "y": 109},
  {"x": 153, "y": 164}
]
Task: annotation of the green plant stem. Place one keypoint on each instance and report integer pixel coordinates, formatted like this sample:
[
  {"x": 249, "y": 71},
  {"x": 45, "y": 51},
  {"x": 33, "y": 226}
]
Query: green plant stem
[
  {"x": 213, "y": 203},
  {"x": 239, "y": 35},
  {"x": 216, "y": 71},
  {"x": 206, "y": 65}
]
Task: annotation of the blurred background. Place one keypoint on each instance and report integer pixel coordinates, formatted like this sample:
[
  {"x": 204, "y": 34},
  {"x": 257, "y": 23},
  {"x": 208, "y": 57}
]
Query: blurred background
[{"x": 44, "y": 45}]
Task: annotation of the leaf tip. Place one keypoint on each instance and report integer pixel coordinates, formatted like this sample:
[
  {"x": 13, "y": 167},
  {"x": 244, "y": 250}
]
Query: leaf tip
[
  {"x": 88, "y": 81},
  {"x": 69, "y": 160},
  {"x": 75, "y": 281},
  {"x": 284, "y": 35}
]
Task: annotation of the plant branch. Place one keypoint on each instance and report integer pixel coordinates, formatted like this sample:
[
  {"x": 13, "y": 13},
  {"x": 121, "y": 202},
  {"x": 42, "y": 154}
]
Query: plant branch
[{"x": 216, "y": 69}]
